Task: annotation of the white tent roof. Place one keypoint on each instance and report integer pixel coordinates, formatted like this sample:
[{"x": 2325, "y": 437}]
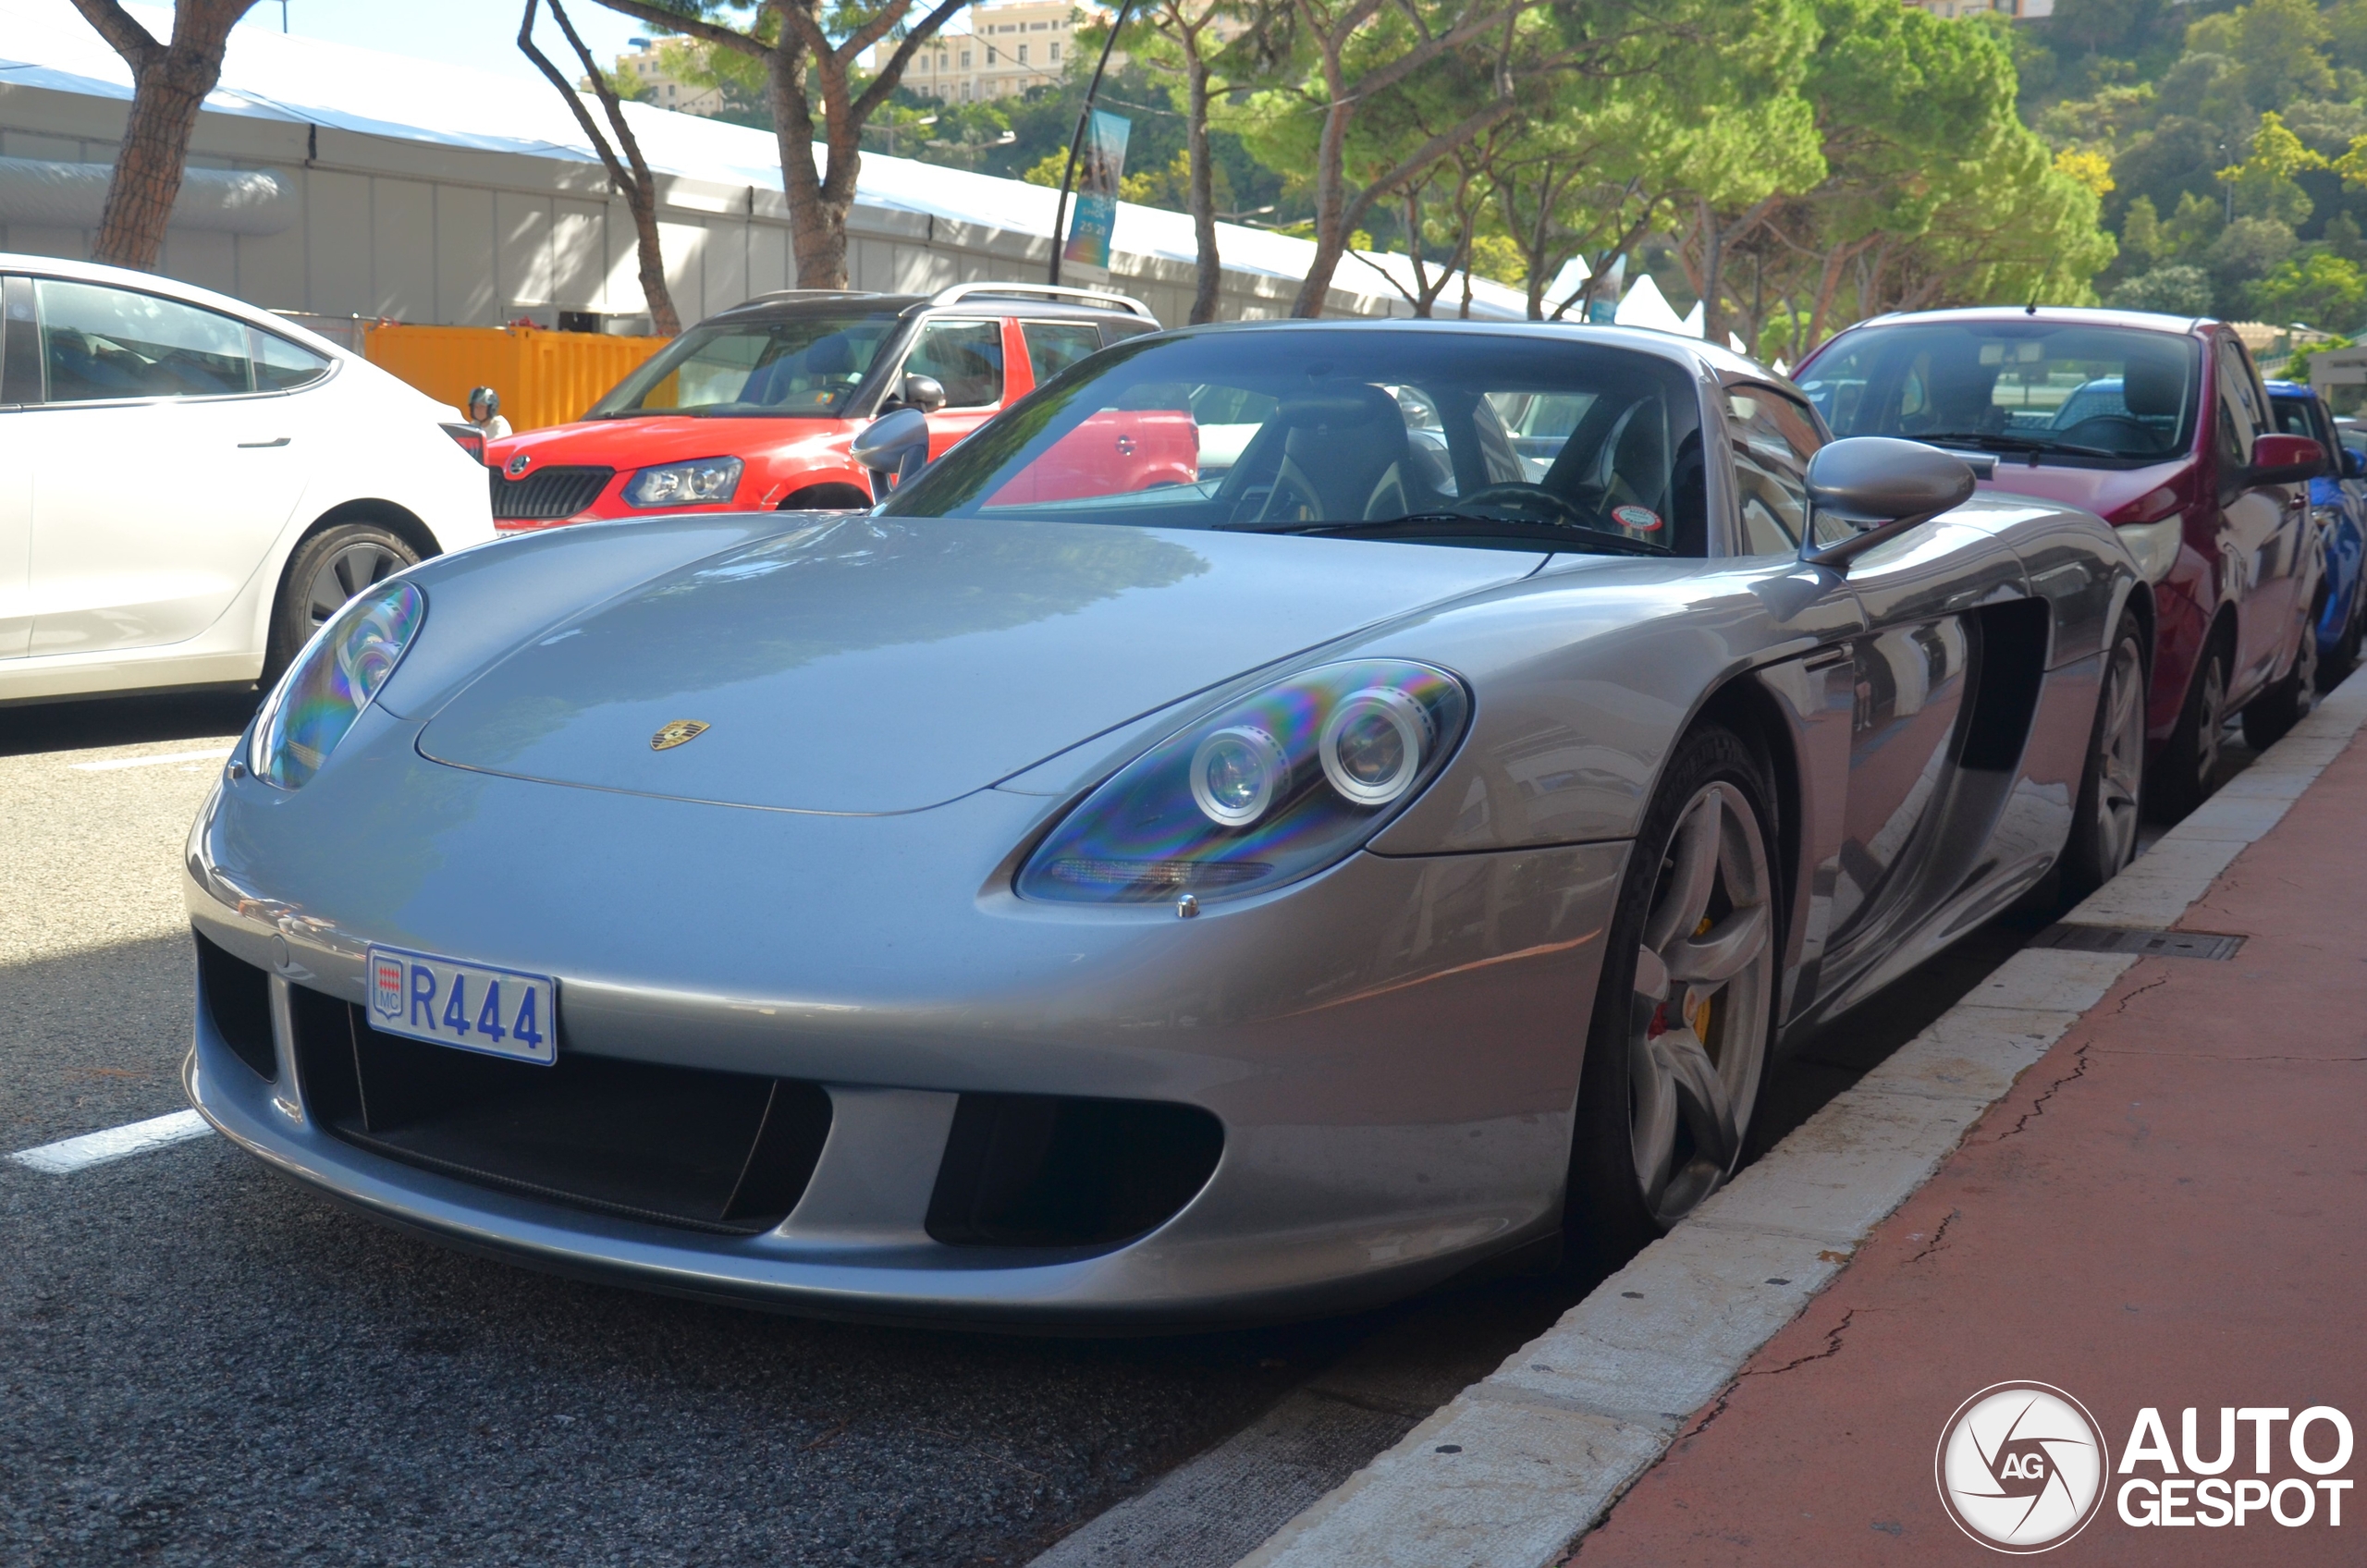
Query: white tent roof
[
  {"x": 46, "y": 43},
  {"x": 1647, "y": 306}
]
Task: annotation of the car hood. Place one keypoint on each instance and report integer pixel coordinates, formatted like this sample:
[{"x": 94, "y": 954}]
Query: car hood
[
  {"x": 872, "y": 665},
  {"x": 636, "y": 443},
  {"x": 2100, "y": 490}
]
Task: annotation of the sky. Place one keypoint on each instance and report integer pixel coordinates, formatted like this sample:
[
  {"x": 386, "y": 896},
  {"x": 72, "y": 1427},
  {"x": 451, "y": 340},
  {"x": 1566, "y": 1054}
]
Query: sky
[{"x": 478, "y": 33}]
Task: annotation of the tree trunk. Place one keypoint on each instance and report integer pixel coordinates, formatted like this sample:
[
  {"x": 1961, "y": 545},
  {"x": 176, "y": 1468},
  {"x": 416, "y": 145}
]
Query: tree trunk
[
  {"x": 1713, "y": 276},
  {"x": 169, "y": 85},
  {"x": 1331, "y": 204},
  {"x": 842, "y": 141},
  {"x": 1204, "y": 192},
  {"x": 821, "y": 254},
  {"x": 155, "y": 151},
  {"x": 637, "y": 187}
]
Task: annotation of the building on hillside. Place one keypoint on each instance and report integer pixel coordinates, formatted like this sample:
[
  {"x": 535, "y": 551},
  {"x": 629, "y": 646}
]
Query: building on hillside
[
  {"x": 341, "y": 183},
  {"x": 2020, "y": 10},
  {"x": 1003, "y": 49},
  {"x": 662, "y": 88}
]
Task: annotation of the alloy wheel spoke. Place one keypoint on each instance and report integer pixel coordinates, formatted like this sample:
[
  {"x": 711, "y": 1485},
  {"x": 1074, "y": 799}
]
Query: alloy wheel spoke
[
  {"x": 1701, "y": 1096},
  {"x": 1653, "y": 1118},
  {"x": 1722, "y": 951},
  {"x": 1652, "y": 975},
  {"x": 1696, "y": 854}
]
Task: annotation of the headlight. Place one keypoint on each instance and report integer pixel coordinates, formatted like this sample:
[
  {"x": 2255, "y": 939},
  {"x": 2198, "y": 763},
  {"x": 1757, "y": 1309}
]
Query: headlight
[
  {"x": 1268, "y": 790},
  {"x": 684, "y": 485},
  {"x": 336, "y": 676}
]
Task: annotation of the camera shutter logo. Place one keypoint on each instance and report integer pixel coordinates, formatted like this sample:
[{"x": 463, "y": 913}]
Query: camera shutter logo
[{"x": 2021, "y": 1467}]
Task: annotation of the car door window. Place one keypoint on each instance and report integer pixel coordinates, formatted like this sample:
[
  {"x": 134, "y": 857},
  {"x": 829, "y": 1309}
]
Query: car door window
[
  {"x": 109, "y": 343},
  {"x": 1773, "y": 439},
  {"x": 19, "y": 343},
  {"x": 281, "y": 366},
  {"x": 1053, "y": 346},
  {"x": 2240, "y": 414},
  {"x": 966, "y": 358}
]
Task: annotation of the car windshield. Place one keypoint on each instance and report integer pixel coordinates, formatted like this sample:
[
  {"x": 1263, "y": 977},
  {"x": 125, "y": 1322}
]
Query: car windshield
[
  {"x": 2076, "y": 391},
  {"x": 808, "y": 367},
  {"x": 1403, "y": 432}
]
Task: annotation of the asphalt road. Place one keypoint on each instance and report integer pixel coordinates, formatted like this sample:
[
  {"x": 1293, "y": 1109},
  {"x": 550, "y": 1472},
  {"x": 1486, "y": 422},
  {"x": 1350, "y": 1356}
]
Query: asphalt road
[{"x": 200, "y": 1362}]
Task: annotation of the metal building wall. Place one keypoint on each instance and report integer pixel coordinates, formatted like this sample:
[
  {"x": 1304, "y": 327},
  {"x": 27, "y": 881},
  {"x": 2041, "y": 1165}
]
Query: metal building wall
[{"x": 425, "y": 233}]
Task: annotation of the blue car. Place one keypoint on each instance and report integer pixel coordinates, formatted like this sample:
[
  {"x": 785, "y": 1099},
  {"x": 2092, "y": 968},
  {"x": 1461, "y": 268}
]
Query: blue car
[{"x": 2341, "y": 505}]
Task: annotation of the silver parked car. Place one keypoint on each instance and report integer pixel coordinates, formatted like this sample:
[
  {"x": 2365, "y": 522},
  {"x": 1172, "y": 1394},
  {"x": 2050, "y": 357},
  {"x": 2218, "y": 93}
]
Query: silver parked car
[{"x": 1041, "y": 899}]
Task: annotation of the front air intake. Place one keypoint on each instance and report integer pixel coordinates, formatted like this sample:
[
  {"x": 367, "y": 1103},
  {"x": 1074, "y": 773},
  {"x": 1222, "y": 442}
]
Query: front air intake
[
  {"x": 725, "y": 1152},
  {"x": 1043, "y": 1171},
  {"x": 238, "y": 1001}
]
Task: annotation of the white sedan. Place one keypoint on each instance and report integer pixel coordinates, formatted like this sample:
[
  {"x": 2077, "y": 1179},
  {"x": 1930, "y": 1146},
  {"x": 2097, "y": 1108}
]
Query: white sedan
[{"x": 188, "y": 485}]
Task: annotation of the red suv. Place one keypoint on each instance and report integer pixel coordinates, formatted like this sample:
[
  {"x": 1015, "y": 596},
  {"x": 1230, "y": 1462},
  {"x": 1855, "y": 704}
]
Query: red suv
[
  {"x": 754, "y": 408},
  {"x": 2160, "y": 425}
]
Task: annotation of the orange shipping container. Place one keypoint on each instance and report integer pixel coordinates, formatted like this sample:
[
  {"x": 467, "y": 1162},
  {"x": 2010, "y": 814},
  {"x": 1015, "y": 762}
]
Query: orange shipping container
[{"x": 543, "y": 377}]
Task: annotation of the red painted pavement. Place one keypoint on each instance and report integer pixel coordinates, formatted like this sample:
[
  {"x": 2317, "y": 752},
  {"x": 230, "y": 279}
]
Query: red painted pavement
[{"x": 2167, "y": 1211}]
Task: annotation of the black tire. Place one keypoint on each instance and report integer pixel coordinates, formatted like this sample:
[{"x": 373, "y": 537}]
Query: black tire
[
  {"x": 2332, "y": 671},
  {"x": 2103, "y": 823},
  {"x": 336, "y": 562},
  {"x": 1608, "y": 1214},
  {"x": 2186, "y": 770},
  {"x": 2269, "y": 717}
]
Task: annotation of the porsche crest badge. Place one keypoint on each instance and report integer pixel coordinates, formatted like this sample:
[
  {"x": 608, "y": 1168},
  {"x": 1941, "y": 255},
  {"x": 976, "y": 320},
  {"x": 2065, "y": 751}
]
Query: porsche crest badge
[{"x": 681, "y": 732}]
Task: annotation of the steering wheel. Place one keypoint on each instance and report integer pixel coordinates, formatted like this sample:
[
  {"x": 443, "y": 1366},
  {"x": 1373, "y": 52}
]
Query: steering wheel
[
  {"x": 1533, "y": 500},
  {"x": 1289, "y": 500},
  {"x": 2115, "y": 431}
]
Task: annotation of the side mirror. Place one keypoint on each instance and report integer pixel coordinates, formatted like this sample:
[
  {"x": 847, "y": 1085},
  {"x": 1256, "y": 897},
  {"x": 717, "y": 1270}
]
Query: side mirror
[
  {"x": 923, "y": 392},
  {"x": 2286, "y": 460},
  {"x": 894, "y": 446},
  {"x": 2354, "y": 463},
  {"x": 1880, "y": 487}
]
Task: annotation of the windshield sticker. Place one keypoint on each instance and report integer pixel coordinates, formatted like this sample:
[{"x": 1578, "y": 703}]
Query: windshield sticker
[{"x": 1643, "y": 520}]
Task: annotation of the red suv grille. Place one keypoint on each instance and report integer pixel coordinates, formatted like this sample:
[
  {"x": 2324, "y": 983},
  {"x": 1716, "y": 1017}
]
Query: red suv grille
[{"x": 548, "y": 493}]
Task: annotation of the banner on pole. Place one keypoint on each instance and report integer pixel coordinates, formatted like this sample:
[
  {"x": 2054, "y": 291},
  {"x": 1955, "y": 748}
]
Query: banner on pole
[{"x": 1101, "y": 163}]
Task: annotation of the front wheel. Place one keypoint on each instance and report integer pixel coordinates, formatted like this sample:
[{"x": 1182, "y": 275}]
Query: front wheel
[
  {"x": 1676, "y": 1047},
  {"x": 2104, "y": 826},
  {"x": 2268, "y": 716},
  {"x": 2189, "y": 765},
  {"x": 327, "y": 569}
]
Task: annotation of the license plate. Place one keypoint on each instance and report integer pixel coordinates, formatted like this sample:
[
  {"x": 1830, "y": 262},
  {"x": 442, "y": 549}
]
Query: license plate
[{"x": 472, "y": 1006}]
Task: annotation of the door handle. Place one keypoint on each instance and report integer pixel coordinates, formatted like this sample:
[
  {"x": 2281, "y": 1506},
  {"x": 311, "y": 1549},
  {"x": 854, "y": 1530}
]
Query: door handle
[{"x": 254, "y": 446}]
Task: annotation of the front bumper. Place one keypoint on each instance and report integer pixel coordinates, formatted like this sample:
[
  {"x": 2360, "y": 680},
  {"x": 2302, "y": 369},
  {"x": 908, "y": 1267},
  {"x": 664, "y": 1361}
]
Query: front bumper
[{"x": 1392, "y": 1048}]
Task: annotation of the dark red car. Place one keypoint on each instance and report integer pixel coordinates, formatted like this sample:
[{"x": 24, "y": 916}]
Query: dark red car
[
  {"x": 2160, "y": 425},
  {"x": 756, "y": 406}
]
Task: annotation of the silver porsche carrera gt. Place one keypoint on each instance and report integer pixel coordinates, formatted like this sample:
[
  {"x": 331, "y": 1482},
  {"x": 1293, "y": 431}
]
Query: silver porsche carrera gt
[{"x": 1278, "y": 817}]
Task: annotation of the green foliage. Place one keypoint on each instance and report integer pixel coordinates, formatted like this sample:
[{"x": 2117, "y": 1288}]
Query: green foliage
[
  {"x": 2141, "y": 232},
  {"x": 2298, "y": 367},
  {"x": 2265, "y": 182},
  {"x": 2176, "y": 290},
  {"x": 2322, "y": 290}
]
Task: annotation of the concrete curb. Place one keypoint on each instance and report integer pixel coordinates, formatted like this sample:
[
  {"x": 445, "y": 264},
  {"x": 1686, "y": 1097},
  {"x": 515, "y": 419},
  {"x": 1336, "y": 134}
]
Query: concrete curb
[{"x": 1519, "y": 1464}]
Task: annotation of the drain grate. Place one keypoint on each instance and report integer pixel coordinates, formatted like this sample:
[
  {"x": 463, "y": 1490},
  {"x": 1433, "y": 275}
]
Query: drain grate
[{"x": 2124, "y": 939}]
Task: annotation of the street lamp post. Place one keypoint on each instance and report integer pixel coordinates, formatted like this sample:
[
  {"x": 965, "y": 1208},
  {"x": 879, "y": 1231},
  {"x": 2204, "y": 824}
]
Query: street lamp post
[{"x": 1068, "y": 175}]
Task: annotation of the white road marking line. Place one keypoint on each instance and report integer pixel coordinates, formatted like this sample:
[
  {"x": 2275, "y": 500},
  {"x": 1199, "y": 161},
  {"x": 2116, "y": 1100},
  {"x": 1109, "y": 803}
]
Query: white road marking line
[
  {"x": 114, "y": 764},
  {"x": 69, "y": 1155}
]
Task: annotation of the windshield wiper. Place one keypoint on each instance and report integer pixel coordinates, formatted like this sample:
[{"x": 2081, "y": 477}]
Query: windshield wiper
[
  {"x": 1431, "y": 525},
  {"x": 1998, "y": 441}
]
